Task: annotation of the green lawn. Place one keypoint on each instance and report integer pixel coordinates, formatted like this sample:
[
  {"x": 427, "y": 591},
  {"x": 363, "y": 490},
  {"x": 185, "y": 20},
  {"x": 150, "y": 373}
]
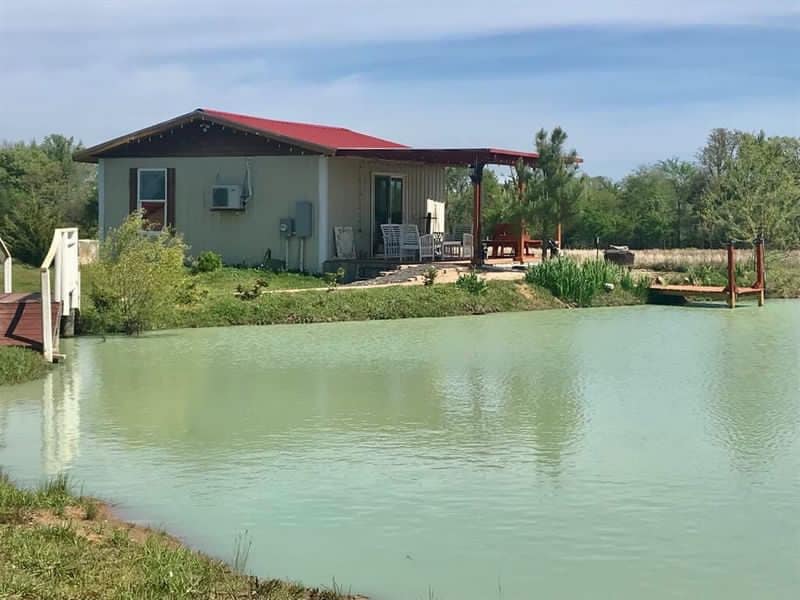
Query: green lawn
[
  {"x": 60, "y": 546},
  {"x": 25, "y": 278}
]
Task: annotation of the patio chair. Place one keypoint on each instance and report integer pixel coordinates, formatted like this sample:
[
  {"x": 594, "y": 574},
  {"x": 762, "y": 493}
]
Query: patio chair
[
  {"x": 409, "y": 240},
  {"x": 391, "y": 240},
  {"x": 427, "y": 247},
  {"x": 467, "y": 245}
]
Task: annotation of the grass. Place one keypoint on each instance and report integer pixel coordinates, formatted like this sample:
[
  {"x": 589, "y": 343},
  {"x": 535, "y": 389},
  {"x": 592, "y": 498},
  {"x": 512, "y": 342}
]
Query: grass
[
  {"x": 580, "y": 283},
  {"x": 363, "y": 304},
  {"x": 53, "y": 545},
  {"x": 783, "y": 274},
  {"x": 681, "y": 259},
  {"x": 18, "y": 365},
  {"x": 25, "y": 278}
]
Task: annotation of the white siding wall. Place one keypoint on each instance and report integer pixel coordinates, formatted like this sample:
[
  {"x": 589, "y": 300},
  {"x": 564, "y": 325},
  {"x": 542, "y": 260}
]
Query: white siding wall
[
  {"x": 278, "y": 182},
  {"x": 350, "y": 194}
]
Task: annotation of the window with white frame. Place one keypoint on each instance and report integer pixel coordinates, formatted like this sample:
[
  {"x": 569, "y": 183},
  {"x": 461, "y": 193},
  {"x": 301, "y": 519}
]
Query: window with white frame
[{"x": 152, "y": 199}]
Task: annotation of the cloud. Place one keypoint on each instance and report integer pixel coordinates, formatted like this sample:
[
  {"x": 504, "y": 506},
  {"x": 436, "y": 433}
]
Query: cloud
[
  {"x": 254, "y": 22},
  {"x": 425, "y": 73}
]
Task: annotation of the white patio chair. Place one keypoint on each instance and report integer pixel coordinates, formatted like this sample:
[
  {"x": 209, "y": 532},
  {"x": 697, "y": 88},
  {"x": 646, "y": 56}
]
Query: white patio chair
[
  {"x": 409, "y": 241},
  {"x": 427, "y": 247},
  {"x": 467, "y": 245},
  {"x": 391, "y": 240}
]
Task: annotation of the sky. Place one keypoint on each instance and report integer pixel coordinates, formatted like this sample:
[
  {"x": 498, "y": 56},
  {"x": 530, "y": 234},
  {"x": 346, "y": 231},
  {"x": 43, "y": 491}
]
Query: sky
[{"x": 631, "y": 82}]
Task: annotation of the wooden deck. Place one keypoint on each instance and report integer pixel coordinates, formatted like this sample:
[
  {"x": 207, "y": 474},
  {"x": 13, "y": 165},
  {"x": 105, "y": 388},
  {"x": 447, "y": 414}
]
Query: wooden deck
[
  {"x": 705, "y": 291},
  {"x": 21, "y": 320}
]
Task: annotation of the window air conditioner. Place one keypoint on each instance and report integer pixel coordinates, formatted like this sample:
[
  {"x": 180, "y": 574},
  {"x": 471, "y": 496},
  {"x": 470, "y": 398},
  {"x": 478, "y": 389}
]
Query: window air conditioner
[{"x": 226, "y": 197}]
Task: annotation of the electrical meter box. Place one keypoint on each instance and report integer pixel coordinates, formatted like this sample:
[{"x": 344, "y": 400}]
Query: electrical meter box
[
  {"x": 287, "y": 227},
  {"x": 302, "y": 219}
]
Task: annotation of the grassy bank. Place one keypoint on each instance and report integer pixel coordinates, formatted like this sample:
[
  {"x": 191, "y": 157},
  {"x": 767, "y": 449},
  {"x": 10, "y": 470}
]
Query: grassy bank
[
  {"x": 214, "y": 300},
  {"x": 18, "y": 365},
  {"x": 59, "y": 546},
  {"x": 223, "y": 308}
]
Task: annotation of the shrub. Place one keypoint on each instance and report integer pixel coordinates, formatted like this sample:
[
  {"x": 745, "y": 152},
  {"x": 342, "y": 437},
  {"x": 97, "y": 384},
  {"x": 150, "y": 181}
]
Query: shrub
[
  {"x": 251, "y": 293},
  {"x": 207, "y": 262},
  {"x": 579, "y": 282},
  {"x": 334, "y": 278},
  {"x": 471, "y": 283},
  {"x": 429, "y": 276},
  {"x": 138, "y": 277}
]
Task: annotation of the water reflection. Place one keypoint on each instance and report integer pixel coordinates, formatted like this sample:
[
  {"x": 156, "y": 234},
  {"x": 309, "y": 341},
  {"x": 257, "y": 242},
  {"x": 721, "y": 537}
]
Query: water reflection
[
  {"x": 757, "y": 382},
  {"x": 605, "y": 447},
  {"x": 465, "y": 402},
  {"x": 61, "y": 419}
]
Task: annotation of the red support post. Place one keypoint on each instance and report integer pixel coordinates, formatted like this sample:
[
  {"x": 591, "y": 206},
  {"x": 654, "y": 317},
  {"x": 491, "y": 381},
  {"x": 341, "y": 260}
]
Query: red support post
[
  {"x": 477, "y": 245},
  {"x": 761, "y": 279},
  {"x": 732, "y": 290}
]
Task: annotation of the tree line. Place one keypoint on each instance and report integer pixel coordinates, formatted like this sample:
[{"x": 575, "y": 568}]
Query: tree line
[
  {"x": 740, "y": 185},
  {"x": 42, "y": 188}
]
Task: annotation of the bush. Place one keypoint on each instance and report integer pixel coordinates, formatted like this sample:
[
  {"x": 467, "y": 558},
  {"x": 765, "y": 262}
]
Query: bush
[
  {"x": 472, "y": 284},
  {"x": 207, "y": 262},
  {"x": 429, "y": 276},
  {"x": 579, "y": 282},
  {"x": 137, "y": 279},
  {"x": 20, "y": 364},
  {"x": 333, "y": 279}
]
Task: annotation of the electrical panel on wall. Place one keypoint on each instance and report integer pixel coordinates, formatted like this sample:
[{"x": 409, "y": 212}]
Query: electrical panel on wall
[{"x": 303, "y": 212}]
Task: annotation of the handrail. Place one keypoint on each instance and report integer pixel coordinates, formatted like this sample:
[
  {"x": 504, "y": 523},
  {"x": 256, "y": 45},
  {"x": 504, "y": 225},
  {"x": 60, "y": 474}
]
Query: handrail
[
  {"x": 64, "y": 252},
  {"x": 5, "y": 255}
]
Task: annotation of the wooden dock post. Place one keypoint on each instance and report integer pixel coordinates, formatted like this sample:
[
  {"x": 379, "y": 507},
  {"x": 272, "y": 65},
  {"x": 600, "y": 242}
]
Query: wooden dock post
[
  {"x": 731, "y": 275},
  {"x": 761, "y": 279}
]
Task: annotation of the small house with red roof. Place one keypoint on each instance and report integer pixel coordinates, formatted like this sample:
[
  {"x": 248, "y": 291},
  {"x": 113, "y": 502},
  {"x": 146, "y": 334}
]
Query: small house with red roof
[{"x": 247, "y": 187}]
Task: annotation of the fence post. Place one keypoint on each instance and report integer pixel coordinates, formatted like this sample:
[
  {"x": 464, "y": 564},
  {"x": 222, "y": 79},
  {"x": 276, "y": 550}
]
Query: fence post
[
  {"x": 731, "y": 275},
  {"x": 761, "y": 279},
  {"x": 7, "y": 275},
  {"x": 47, "y": 317}
]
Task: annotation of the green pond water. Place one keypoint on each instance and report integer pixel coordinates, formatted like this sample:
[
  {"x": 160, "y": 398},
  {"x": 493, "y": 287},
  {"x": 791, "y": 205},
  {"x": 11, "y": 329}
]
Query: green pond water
[{"x": 648, "y": 452}]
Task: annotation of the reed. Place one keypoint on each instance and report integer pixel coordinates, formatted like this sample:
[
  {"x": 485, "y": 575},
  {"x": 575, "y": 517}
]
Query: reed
[{"x": 579, "y": 282}]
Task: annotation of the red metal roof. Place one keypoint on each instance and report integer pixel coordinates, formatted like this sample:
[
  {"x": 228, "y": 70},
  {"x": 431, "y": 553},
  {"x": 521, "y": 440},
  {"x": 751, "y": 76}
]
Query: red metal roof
[
  {"x": 335, "y": 138},
  {"x": 446, "y": 156},
  {"x": 320, "y": 139}
]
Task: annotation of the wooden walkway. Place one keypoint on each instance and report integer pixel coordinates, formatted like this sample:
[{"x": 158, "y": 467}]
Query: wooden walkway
[
  {"x": 702, "y": 291},
  {"x": 21, "y": 320}
]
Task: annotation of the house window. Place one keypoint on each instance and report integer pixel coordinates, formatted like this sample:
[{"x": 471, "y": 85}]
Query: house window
[{"x": 152, "y": 199}]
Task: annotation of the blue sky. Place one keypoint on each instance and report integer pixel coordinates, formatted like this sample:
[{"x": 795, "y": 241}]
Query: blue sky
[{"x": 631, "y": 82}]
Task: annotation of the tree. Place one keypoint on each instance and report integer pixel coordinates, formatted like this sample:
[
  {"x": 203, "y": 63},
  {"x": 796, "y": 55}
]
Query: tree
[
  {"x": 648, "y": 200},
  {"x": 687, "y": 181},
  {"x": 553, "y": 190},
  {"x": 42, "y": 188},
  {"x": 138, "y": 277},
  {"x": 600, "y": 214},
  {"x": 460, "y": 198},
  {"x": 757, "y": 191}
]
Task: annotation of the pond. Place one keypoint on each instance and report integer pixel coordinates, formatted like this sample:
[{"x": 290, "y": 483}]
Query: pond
[{"x": 647, "y": 452}]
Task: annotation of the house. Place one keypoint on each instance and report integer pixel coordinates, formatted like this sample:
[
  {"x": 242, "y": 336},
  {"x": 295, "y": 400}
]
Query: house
[{"x": 247, "y": 187}]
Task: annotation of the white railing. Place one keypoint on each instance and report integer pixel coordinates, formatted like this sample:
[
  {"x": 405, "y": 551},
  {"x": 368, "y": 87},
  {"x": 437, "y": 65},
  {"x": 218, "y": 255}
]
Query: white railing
[
  {"x": 63, "y": 254},
  {"x": 5, "y": 257}
]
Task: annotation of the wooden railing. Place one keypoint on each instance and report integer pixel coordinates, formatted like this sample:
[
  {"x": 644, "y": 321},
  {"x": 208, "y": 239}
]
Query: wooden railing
[
  {"x": 5, "y": 257},
  {"x": 63, "y": 253}
]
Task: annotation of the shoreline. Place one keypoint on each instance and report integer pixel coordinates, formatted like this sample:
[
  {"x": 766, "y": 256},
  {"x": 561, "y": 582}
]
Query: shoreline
[{"x": 78, "y": 546}]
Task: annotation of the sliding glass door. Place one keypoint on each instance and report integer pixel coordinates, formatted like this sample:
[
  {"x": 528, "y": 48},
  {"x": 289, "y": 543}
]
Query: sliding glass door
[{"x": 387, "y": 206}]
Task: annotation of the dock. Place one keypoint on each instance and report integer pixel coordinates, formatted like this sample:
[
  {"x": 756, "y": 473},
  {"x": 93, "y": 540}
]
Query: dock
[
  {"x": 21, "y": 320},
  {"x": 38, "y": 320},
  {"x": 729, "y": 293}
]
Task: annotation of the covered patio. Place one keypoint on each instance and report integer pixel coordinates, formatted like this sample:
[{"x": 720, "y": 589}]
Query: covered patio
[{"x": 476, "y": 160}]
